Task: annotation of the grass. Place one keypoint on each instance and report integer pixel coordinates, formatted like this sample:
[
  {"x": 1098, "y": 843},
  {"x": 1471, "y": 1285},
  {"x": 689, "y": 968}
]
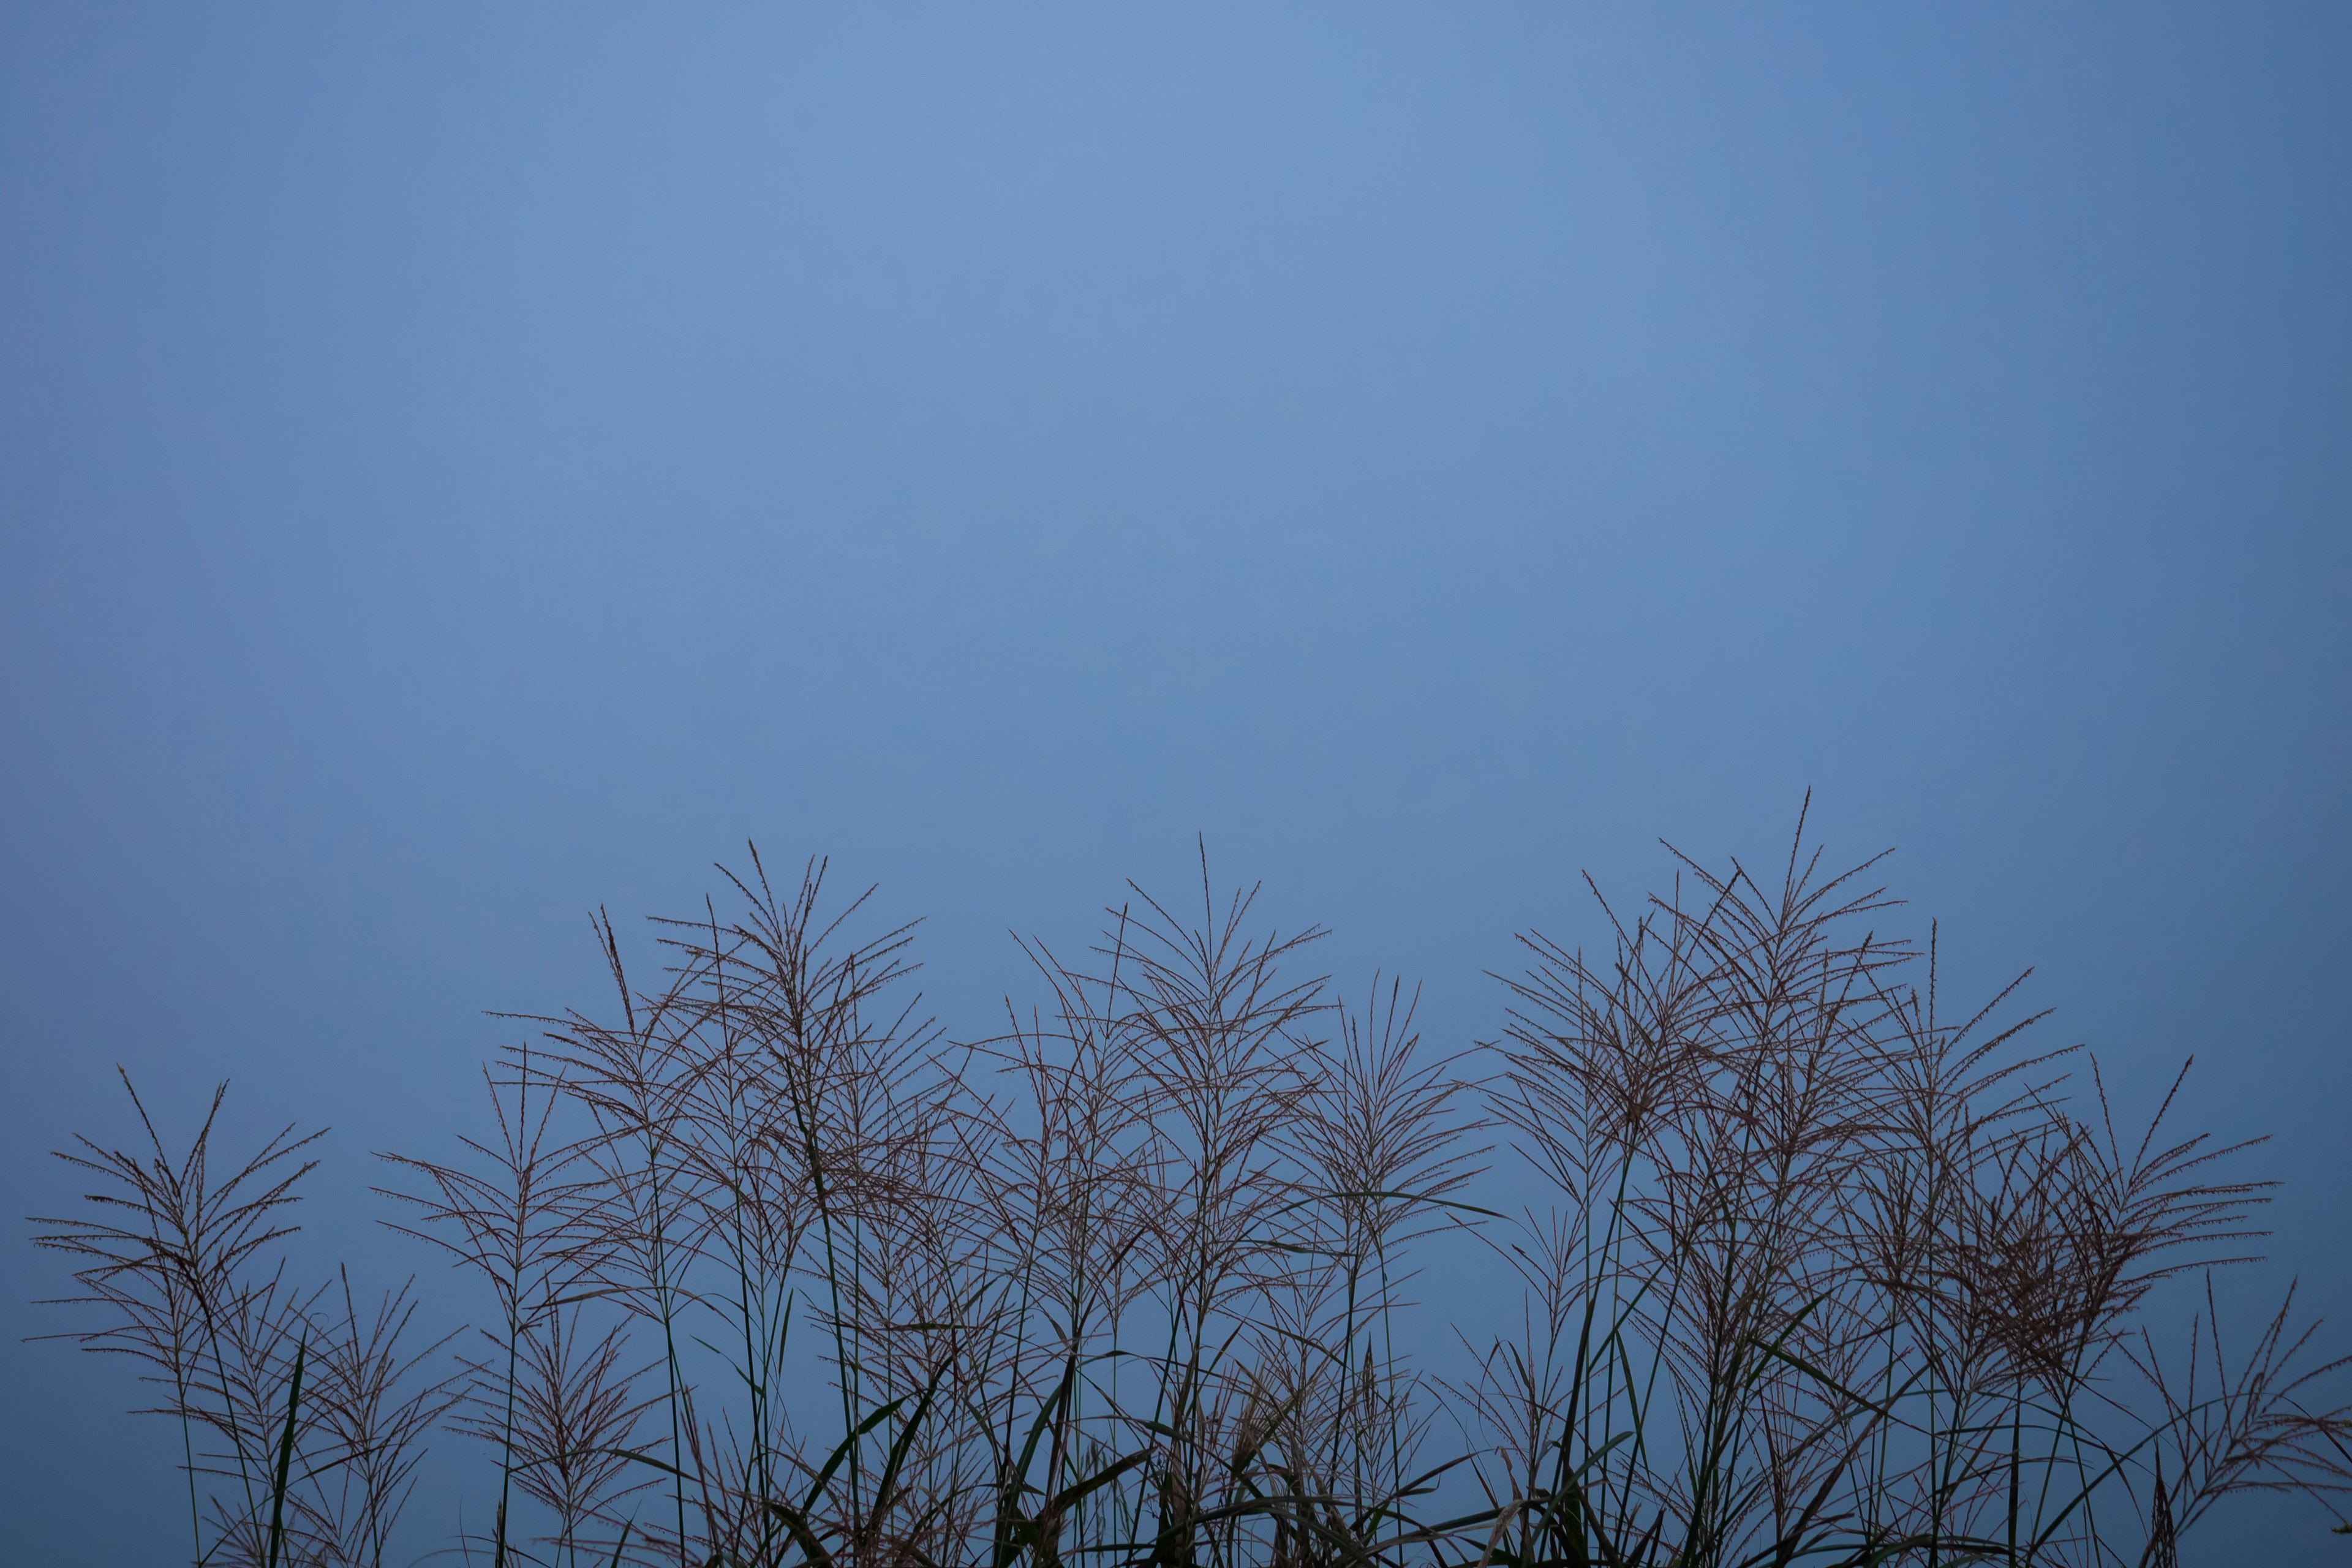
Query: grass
[{"x": 779, "y": 1274}]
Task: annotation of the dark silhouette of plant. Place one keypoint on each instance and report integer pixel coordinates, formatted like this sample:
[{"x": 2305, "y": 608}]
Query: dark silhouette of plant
[
  {"x": 306, "y": 1425},
  {"x": 515, "y": 1218},
  {"x": 164, "y": 1255},
  {"x": 1823, "y": 1274},
  {"x": 374, "y": 1404}
]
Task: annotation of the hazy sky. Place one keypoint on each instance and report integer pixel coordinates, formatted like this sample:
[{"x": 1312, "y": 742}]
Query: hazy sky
[{"x": 461, "y": 465}]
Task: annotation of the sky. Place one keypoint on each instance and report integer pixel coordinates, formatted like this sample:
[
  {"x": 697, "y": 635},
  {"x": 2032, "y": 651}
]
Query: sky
[{"x": 464, "y": 465}]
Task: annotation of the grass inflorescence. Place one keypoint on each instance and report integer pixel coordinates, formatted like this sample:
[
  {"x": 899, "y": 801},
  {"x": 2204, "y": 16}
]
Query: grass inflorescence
[{"x": 776, "y": 1274}]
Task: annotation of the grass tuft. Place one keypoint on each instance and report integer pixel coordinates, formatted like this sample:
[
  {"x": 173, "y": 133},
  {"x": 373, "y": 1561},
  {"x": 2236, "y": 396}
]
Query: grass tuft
[{"x": 1823, "y": 1274}]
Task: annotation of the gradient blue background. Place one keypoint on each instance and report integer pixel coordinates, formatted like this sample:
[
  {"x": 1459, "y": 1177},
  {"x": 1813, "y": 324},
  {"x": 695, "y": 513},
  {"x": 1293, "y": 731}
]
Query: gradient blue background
[{"x": 462, "y": 464}]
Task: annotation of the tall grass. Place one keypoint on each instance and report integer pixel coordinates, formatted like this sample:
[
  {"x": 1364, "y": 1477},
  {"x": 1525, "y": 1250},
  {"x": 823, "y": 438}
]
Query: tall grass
[{"x": 775, "y": 1273}]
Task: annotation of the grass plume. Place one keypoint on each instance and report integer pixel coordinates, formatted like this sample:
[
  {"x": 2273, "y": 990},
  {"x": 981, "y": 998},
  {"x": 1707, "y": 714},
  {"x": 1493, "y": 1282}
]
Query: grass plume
[{"x": 1809, "y": 1269}]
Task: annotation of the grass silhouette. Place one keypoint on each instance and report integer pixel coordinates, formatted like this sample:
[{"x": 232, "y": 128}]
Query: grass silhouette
[{"x": 779, "y": 1274}]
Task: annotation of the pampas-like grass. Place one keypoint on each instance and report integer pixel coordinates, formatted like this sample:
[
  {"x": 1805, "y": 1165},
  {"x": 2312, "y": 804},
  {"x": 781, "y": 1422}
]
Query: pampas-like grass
[{"x": 775, "y": 1273}]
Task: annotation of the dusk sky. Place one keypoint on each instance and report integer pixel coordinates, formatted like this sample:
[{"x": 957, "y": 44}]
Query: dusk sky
[{"x": 463, "y": 466}]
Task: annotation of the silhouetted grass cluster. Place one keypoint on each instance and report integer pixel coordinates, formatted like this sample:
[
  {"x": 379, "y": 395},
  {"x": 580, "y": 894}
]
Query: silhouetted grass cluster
[{"x": 773, "y": 1273}]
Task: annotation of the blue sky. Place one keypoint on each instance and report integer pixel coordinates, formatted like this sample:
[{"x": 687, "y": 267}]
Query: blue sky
[{"x": 460, "y": 465}]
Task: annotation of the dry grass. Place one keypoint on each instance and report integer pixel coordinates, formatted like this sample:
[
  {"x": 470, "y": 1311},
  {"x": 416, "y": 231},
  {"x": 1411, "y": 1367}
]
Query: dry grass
[{"x": 777, "y": 1273}]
